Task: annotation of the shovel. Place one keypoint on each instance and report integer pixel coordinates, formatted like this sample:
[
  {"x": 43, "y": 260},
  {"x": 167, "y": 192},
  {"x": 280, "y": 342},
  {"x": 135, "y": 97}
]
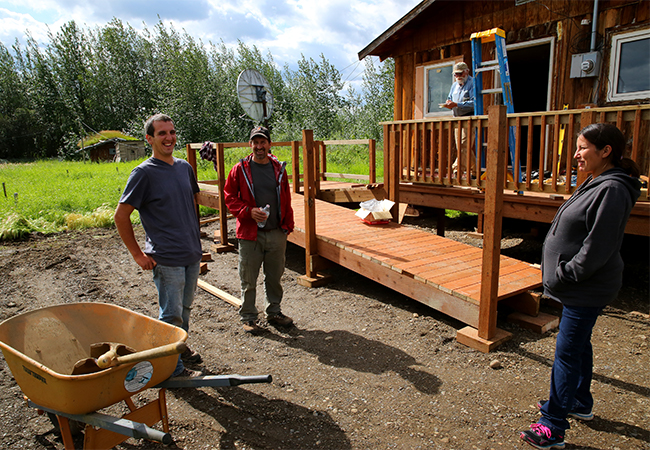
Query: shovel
[{"x": 111, "y": 354}]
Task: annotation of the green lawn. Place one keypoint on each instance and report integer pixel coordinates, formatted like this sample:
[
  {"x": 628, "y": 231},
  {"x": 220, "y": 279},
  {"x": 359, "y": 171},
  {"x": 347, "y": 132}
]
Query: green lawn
[{"x": 51, "y": 196}]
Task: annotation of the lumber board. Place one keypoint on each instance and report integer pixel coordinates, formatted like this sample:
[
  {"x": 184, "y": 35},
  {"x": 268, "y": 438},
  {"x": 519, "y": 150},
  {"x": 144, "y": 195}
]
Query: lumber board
[{"x": 219, "y": 293}]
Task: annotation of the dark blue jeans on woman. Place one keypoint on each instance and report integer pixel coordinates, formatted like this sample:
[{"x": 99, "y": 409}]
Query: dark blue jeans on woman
[{"x": 572, "y": 368}]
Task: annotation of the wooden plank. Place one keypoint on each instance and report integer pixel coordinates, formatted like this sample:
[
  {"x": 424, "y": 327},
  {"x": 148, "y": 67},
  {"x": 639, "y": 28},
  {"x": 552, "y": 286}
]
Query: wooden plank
[
  {"x": 466, "y": 277},
  {"x": 219, "y": 293},
  {"x": 450, "y": 270},
  {"x": 465, "y": 311},
  {"x": 347, "y": 142}
]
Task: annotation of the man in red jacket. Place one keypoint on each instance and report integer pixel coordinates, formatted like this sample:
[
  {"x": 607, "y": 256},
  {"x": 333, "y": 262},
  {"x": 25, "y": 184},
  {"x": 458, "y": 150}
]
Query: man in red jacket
[{"x": 257, "y": 193}]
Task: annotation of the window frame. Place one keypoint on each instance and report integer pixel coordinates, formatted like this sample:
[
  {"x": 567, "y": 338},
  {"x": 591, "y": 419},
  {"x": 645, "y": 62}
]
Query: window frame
[
  {"x": 614, "y": 65},
  {"x": 425, "y": 88}
]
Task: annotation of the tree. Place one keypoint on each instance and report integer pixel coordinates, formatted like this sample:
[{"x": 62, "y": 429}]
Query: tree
[
  {"x": 114, "y": 77},
  {"x": 15, "y": 115},
  {"x": 316, "y": 101},
  {"x": 377, "y": 98},
  {"x": 123, "y": 87}
]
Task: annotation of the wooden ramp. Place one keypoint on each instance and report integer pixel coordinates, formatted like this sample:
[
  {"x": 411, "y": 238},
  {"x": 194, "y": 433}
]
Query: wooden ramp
[{"x": 439, "y": 272}]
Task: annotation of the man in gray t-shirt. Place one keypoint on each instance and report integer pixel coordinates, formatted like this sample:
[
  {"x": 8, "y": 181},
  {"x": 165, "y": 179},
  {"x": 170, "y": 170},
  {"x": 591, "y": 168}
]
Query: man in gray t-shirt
[{"x": 163, "y": 189}]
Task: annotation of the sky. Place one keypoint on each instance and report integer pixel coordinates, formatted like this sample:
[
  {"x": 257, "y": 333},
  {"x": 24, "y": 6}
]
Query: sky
[{"x": 338, "y": 29}]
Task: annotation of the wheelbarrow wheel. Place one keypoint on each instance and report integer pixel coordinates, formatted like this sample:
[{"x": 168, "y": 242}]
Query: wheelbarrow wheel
[{"x": 76, "y": 427}]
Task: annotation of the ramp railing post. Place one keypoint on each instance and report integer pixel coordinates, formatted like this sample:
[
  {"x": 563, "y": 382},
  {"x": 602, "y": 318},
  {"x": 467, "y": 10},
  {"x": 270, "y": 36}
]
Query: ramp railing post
[
  {"x": 493, "y": 214},
  {"x": 319, "y": 155},
  {"x": 392, "y": 169},
  {"x": 223, "y": 209},
  {"x": 372, "y": 161},
  {"x": 323, "y": 162},
  {"x": 309, "y": 194},
  {"x": 586, "y": 118},
  {"x": 295, "y": 165}
]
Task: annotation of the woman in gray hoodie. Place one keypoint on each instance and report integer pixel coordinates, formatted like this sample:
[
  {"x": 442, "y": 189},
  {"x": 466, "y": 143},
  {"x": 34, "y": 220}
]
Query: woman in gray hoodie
[{"x": 582, "y": 268}]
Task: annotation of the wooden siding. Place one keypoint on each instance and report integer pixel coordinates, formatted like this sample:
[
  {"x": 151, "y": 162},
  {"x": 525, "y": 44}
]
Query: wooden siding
[{"x": 443, "y": 29}]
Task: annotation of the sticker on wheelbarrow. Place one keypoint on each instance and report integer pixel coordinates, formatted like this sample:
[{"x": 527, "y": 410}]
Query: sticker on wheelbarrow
[{"x": 138, "y": 376}]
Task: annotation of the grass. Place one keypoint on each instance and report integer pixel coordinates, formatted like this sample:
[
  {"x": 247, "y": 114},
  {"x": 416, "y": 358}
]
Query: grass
[
  {"x": 103, "y": 136},
  {"x": 52, "y": 196}
]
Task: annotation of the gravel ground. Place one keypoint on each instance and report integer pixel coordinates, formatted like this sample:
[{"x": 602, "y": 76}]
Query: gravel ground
[{"x": 364, "y": 367}]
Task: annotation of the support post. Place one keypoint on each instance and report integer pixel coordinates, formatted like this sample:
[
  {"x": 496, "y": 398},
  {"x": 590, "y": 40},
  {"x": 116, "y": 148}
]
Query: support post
[
  {"x": 323, "y": 161},
  {"x": 191, "y": 158},
  {"x": 487, "y": 336},
  {"x": 311, "y": 278},
  {"x": 295, "y": 165},
  {"x": 496, "y": 163},
  {"x": 318, "y": 155},
  {"x": 224, "y": 245},
  {"x": 372, "y": 158},
  {"x": 392, "y": 166},
  {"x": 387, "y": 151}
]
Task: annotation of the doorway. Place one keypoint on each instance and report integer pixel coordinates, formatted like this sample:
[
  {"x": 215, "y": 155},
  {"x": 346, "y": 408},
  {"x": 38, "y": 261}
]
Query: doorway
[{"x": 530, "y": 66}]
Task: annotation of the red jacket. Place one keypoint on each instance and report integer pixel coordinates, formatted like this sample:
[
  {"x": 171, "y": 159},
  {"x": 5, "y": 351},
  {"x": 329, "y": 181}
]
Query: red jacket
[{"x": 240, "y": 197}]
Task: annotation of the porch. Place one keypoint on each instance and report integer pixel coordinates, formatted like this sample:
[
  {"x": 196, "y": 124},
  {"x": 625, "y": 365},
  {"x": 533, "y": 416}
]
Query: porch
[{"x": 538, "y": 172}]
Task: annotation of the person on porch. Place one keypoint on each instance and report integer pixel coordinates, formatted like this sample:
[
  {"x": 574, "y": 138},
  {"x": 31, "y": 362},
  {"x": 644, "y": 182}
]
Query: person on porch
[{"x": 461, "y": 102}]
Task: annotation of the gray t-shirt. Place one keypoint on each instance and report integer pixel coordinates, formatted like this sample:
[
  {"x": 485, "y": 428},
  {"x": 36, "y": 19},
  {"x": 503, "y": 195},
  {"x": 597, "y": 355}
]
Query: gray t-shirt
[
  {"x": 264, "y": 185},
  {"x": 163, "y": 194}
]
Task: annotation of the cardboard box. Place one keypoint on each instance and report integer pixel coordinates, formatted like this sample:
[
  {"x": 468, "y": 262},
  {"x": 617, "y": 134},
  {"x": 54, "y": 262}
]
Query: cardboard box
[{"x": 375, "y": 212}]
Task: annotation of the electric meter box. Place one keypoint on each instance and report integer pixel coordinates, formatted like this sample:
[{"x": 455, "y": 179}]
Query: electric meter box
[{"x": 585, "y": 65}]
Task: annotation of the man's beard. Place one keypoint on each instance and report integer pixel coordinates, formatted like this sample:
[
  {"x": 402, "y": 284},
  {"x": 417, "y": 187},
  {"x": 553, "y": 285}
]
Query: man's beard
[{"x": 461, "y": 81}]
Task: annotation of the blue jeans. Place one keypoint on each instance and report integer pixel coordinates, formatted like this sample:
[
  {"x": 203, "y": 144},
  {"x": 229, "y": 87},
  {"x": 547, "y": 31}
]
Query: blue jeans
[
  {"x": 176, "y": 287},
  {"x": 269, "y": 252},
  {"x": 572, "y": 368}
]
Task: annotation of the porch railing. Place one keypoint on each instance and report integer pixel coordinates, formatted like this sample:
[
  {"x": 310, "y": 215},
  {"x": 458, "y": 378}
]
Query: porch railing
[{"x": 424, "y": 150}]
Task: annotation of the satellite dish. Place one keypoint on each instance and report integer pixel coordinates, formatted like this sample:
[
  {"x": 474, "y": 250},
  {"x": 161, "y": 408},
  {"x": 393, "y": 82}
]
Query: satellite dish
[{"x": 255, "y": 95}]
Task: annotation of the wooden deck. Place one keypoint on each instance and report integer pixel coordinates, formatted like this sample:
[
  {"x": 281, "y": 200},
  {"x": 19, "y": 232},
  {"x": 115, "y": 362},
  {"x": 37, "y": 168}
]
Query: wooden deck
[
  {"x": 531, "y": 206},
  {"x": 438, "y": 272}
]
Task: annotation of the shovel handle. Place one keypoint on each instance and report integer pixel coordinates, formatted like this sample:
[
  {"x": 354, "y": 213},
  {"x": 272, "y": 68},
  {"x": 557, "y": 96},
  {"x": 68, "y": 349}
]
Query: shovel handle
[{"x": 110, "y": 359}]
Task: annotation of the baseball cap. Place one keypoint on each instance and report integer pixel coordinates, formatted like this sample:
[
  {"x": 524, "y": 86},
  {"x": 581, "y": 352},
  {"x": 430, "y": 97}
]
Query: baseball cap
[
  {"x": 460, "y": 67},
  {"x": 261, "y": 131}
]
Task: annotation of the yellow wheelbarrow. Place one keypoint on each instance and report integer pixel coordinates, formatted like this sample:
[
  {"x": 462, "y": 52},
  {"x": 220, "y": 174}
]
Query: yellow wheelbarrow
[{"x": 72, "y": 360}]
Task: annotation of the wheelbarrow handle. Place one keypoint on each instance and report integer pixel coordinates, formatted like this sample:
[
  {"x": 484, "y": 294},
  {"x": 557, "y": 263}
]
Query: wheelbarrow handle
[
  {"x": 213, "y": 381},
  {"x": 110, "y": 358}
]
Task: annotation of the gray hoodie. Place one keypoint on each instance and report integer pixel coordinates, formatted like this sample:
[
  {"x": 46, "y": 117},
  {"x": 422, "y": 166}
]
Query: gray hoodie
[{"x": 581, "y": 261}]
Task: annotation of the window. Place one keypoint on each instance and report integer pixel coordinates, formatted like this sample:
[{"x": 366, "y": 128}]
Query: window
[
  {"x": 629, "y": 72},
  {"x": 437, "y": 83}
]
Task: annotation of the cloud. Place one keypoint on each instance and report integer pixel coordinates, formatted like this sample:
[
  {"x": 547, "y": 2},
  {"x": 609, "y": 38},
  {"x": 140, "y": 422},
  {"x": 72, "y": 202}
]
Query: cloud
[{"x": 338, "y": 29}]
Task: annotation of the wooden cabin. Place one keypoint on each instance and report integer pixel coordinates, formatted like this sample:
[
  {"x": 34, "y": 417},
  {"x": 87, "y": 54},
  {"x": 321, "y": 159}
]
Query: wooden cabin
[
  {"x": 571, "y": 63},
  {"x": 545, "y": 40},
  {"x": 116, "y": 149}
]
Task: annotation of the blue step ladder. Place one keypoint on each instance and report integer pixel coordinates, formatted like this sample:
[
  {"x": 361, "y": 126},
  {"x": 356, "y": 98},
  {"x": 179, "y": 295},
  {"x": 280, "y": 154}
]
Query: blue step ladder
[{"x": 496, "y": 35}]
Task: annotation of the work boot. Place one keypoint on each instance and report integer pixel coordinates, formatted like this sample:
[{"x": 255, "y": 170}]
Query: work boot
[
  {"x": 190, "y": 356},
  {"x": 189, "y": 373},
  {"x": 280, "y": 320},
  {"x": 251, "y": 327}
]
